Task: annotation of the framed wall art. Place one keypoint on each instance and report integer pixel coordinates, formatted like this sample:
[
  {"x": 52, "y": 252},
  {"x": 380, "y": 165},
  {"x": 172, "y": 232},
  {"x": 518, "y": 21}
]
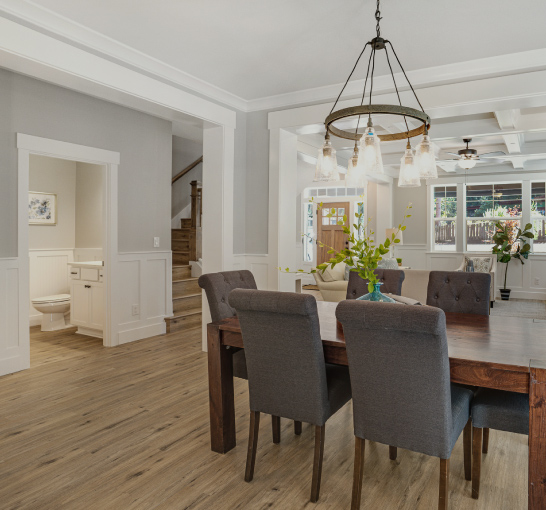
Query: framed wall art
[{"x": 42, "y": 208}]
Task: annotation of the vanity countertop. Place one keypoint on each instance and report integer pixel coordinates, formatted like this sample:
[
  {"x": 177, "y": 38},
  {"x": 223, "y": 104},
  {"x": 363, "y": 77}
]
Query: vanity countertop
[{"x": 93, "y": 264}]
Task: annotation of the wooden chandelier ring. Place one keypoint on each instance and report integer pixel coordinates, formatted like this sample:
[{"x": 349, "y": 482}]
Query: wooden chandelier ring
[{"x": 366, "y": 110}]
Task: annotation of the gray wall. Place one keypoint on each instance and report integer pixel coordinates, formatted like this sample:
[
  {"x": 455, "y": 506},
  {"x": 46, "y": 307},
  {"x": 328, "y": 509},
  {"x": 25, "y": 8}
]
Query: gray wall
[
  {"x": 416, "y": 232},
  {"x": 58, "y": 176},
  {"x": 185, "y": 152},
  {"x": 37, "y": 108},
  {"x": 89, "y": 201}
]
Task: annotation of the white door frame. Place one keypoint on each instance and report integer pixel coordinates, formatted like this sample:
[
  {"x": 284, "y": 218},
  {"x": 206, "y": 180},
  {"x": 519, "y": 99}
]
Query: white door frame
[{"x": 26, "y": 145}]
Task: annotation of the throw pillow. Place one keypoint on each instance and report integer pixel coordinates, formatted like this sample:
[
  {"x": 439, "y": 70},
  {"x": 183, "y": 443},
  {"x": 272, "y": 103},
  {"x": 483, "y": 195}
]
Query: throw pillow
[
  {"x": 388, "y": 264},
  {"x": 335, "y": 274},
  {"x": 481, "y": 264}
]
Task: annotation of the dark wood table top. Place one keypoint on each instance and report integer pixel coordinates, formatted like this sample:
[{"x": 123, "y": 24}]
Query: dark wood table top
[{"x": 500, "y": 341}]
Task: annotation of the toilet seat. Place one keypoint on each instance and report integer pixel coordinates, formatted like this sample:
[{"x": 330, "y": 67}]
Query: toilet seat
[{"x": 57, "y": 298}]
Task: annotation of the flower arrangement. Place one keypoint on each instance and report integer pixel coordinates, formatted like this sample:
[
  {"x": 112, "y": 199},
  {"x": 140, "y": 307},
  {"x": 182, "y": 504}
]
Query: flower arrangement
[{"x": 362, "y": 254}]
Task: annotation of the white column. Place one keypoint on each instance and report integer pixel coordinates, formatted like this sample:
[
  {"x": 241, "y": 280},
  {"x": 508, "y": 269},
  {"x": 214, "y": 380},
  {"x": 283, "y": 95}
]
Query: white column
[
  {"x": 461, "y": 218},
  {"x": 217, "y": 222},
  {"x": 283, "y": 167}
]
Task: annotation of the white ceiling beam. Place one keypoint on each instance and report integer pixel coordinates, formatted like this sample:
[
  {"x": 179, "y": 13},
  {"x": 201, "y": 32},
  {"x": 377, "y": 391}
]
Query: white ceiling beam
[
  {"x": 447, "y": 166},
  {"x": 513, "y": 142},
  {"x": 508, "y": 119}
]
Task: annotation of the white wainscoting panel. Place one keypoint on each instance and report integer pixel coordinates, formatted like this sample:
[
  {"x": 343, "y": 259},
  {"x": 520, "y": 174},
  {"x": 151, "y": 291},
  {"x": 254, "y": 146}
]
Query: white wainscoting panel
[
  {"x": 48, "y": 276},
  {"x": 258, "y": 265},
  {"x": 145, "y": 281},
  {"x": 14, "y": 339},
  {"x": 412, "y": 255}
]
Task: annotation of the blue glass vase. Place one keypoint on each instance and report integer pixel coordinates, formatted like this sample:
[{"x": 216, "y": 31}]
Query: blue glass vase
[{"x": 377, "y": 296}]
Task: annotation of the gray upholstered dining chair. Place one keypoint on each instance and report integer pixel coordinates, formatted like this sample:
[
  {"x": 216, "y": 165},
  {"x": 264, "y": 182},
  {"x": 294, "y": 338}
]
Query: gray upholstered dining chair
[
  {"x": 217, "y": 287},
  {"x": 460, "y": 292},
  {"x": 390, "y": 278},
  {"x": 499, "y": 410},
  {"x": 402, "y": 394},
  {"x": 287, "y": 374}
]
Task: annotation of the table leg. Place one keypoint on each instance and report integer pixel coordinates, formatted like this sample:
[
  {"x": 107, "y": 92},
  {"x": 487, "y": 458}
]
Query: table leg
[
  {"x": 221, "y": 400},
  {"x": 537, "y": 436}
]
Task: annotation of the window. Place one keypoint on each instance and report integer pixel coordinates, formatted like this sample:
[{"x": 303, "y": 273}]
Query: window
[
  {"x": 538, "y": 215},
  {"x": 445, "y": 214},
  {"x": 487, "y": 204},
  {"x": 336, "y": 218},
  {"x": 308, "y": 242}
]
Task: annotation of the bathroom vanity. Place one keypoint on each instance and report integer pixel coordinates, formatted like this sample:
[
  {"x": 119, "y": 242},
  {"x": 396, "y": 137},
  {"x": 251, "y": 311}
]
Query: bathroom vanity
[{"x": 86, "y": 289}]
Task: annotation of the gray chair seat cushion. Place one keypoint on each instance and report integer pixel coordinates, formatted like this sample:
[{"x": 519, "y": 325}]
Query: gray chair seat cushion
[
  {"x": 239, "y": 365},
  {"x": 501, "y": 410},
  {"x": 339, "y": 386},
  {"x": 460, "y": 410}
]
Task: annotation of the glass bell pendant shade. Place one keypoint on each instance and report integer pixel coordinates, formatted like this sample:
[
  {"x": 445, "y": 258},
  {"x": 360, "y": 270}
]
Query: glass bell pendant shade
[
  {"x": 355, "y": 177},
  {"x": 326, "y": 169},
  {"x": 426, "y": 159},
  {"x": 370, "y": 160},
  {"x": 409, "y": 173}
]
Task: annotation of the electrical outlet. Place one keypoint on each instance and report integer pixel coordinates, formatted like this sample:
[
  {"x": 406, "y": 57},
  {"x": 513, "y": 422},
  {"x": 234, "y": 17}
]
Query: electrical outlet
[
  {"x": 156, "y": 242},
  {"x": 537, "y": 282},
  {"x": 136, "y": 310}
]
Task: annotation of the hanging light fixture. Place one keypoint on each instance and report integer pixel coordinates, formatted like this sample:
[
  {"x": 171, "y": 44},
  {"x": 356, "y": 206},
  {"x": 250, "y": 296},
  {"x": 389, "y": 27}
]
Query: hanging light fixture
[
  {"x": 369, "y": 158},
  {"x": 326, "y": 169},
  {"x": 354, "y": 178},
  {"x": 409, "y": 172},
  {"x": 426, "y": 159}
]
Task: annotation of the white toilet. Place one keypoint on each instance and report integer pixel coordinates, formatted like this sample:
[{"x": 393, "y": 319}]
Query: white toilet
[{"x": 53, "y": 309}]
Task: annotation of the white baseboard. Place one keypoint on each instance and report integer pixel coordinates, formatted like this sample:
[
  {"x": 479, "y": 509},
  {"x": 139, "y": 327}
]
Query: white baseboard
[
  {"x": 89, "y": 332},
  {"x": 131, "y": 335}
]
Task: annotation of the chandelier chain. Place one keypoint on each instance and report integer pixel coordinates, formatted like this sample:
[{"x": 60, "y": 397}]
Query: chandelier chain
[{"x": 378, "y": 18}]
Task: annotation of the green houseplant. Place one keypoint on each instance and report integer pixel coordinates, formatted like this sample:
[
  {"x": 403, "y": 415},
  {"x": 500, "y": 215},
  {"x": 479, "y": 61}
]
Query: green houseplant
[
  {"x": 361, "y": 254},
  {"x": 511, "y": 242},
  {"x": 399, "y": 261}
]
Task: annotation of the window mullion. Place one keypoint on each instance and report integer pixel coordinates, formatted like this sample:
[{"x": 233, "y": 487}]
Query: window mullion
[
  {"x": 460, "y": 238},
  {"x": 526, "y": 204}
]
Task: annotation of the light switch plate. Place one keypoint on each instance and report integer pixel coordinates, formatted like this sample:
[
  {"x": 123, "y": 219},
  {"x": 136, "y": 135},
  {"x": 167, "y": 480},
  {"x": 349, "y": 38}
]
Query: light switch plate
[
  {"x": 136, "y": 310},
  {"x": 156, "y": 242}
]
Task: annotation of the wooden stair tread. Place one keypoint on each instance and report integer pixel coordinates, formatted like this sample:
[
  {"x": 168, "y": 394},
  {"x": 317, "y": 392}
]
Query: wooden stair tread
[
  {"x": 186, "y": 280},
  {"x": 188, "y": 313},
  {"x": 188, "y": 296},
  {"x": 182, "y": 265},
  {"x": 181, "y": 251}
]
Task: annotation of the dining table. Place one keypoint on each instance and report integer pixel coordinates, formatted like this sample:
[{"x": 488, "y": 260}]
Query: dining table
[{"x": 490, "y": 351}]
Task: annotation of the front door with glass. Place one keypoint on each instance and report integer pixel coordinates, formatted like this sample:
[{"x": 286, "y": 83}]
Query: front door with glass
[{"x": 330, "y": 229}]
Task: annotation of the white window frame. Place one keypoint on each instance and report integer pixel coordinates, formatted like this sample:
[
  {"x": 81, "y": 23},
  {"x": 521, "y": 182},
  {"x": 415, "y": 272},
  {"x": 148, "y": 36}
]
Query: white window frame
[{"x": 433, "y": 220}]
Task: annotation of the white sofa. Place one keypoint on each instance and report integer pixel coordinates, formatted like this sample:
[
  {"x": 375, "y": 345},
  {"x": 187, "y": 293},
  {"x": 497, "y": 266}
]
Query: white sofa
[{"x": 414, "y": 286}]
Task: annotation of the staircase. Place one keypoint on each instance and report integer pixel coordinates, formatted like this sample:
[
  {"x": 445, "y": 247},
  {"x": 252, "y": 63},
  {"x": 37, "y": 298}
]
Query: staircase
[{"x": 186, "y": 291}]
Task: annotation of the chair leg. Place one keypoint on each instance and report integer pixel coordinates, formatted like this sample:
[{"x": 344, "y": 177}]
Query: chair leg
[
  {"x": 276, "y": 425},
  {"x": 443, "y": 499},
  {"x": 252, "y": 445},
  {"x": 467, "y": 441},
  {"x": 360, "y": 447},
  {"x": 297, "y": 428},
  {"x": 485, "y": 445},
  {"x": 393, "y": 452},
  {"x": 317, "y": 463},
  {"x": 476, "y": 461}
]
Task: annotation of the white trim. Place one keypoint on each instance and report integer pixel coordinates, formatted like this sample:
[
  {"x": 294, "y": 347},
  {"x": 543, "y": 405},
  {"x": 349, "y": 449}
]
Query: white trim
[
  {"x": 132, "y": 335},
  {"x": 27, "y": 51},
  {"x": 77, "y": 33}
]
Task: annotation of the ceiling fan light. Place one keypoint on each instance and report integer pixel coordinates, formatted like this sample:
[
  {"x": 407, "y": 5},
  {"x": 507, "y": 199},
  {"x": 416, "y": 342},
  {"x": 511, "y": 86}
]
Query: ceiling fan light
[
  {"x": 409, "y": 172},
  {"x": 467, "y": 163},
  {"x": 426, "y": 159},
  {"x": 326, "y": 169},
  {"x": 355, "y": 177},
  {"x": 370, "y": 160}
]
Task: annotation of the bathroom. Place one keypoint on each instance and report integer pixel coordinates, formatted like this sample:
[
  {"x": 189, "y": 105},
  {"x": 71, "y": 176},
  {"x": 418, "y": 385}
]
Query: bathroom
[{"x": 66, "y": 250}]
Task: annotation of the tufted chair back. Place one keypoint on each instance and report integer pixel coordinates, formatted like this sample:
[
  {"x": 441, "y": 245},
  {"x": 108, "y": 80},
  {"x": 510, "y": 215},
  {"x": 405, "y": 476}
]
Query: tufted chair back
[
  {"x": 217, "y": 287},
  {"x": 391, "y": 278},
  {"x": 461, "y": 292}
]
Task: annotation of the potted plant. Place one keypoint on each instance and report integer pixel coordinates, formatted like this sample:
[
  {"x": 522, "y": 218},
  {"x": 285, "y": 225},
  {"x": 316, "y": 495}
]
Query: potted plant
[
  {"x": 511, "y": 242},
  {"x": 399, "y": 262},
  {"x": 361, "y": 254}
]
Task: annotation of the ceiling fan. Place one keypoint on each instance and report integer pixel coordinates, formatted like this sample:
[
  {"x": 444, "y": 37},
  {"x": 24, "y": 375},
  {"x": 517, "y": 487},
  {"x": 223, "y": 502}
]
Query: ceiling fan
[{"x": 469, "y": 157}]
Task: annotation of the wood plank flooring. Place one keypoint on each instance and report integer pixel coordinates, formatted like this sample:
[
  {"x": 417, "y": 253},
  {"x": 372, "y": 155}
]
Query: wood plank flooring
[{"x": 89, "y": 427}]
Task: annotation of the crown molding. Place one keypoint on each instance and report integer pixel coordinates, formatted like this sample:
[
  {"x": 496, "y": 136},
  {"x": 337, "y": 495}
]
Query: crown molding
[
  {"x": 58, "y": 25},
  {"x": 32, "y": 14}
]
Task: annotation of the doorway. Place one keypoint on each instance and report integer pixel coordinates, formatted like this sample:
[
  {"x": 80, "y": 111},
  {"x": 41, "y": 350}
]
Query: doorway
[
  {"x": 330, "y": 229},
  {"x": 16, "y": 356}
]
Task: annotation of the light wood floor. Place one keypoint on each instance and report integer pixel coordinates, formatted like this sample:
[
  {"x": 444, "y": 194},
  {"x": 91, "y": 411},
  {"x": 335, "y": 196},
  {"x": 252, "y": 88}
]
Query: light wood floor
[{"x": 126, "y": 428}]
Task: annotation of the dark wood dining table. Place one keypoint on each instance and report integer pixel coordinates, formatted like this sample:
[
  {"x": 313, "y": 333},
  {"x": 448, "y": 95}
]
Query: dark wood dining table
[{"x": 501, "y": 352}]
